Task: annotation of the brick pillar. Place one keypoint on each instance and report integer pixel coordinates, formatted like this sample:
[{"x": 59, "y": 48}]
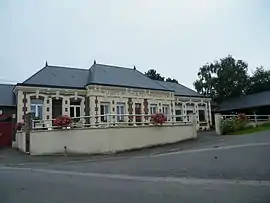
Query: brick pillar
[
  {"x": 87, "y": 109},
  {"x": 96, "y": 111},
  {"x": 146, "y": 110},
  {"x": 27, "y": 129},
  {"x": 130, "y": 109},
  {"x": 24, "y": 105}
]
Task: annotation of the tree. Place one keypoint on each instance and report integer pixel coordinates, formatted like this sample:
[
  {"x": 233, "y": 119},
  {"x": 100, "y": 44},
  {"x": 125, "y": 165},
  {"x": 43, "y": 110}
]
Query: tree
[
  {"x": 154, "y": 75},
  {"x": 171, "y": 80},
  {"x": 223, "y": 79},
  {"x": 259, "y": 81}
]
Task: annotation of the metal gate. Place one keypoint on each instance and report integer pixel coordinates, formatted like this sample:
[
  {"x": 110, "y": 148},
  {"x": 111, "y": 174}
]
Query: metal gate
[{"x": 5, "y": 131}]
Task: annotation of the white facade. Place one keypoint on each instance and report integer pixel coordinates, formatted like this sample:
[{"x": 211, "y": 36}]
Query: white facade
[{"x": 99, "y": 100}]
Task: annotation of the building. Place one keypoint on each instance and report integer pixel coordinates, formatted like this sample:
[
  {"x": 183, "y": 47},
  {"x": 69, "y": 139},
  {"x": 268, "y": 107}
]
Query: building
[
  {"x": 7, "y": 100},
  {"x": 7, "y": 109},
  {"x": 94, "y": 94},
  {"x": 258, "y": 103}
]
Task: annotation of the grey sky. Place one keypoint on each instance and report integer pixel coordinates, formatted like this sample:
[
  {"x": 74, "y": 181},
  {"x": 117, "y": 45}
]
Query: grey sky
[{"x": 175, "y": 37}]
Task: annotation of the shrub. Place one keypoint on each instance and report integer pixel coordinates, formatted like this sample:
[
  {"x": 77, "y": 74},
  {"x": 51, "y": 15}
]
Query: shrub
[
  {"x": 234, "y": 124},
  {"x": 158, "y": 118},
  {"x": 62, "y": 121}
]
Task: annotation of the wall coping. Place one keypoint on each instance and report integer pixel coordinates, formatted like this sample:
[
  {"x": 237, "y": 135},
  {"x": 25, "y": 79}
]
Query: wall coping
[{"x": 113, "y": 127}]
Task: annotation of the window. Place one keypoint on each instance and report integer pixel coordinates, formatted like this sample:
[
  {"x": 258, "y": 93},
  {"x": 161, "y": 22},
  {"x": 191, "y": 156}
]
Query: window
[
  {"x": 120, "y": 110},
  {"x": 104, "y": 110},
  {"x": 37, "y": 109},
  {"x": 202, "y": 115},
  {"x": 178, "y": 114},
  {"x": 75, "y": 109},
  {"x": 166, "y": 110},
  {"x": 153, "y": 108}
]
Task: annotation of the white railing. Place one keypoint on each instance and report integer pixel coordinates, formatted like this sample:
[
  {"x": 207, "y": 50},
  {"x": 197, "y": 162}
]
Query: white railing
[
  {"x": 253, "y": 117},
  {"x": 111, "y": 120},
  {"x": 253, "y": 120}
]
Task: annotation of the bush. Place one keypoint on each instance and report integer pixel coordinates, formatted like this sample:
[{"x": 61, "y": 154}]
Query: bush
[
  {"x": 62, "y": 121},
  {"x": 158, "y": 118},
  {"x": 234, "y": 124}
]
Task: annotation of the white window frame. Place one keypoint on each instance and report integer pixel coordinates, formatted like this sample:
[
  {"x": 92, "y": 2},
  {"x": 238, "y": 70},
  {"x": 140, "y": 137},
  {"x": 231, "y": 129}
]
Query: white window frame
[
  {"x": 166, "y": 110},
  {"x": 106, "y": 117},
  {"x": 204, "y": 112},
  {"x": 153, "y": 108},
  {"x": 36, "y": 113},
  {"x": 120, "y": 106},
  {"x": 74, "y": 110}
]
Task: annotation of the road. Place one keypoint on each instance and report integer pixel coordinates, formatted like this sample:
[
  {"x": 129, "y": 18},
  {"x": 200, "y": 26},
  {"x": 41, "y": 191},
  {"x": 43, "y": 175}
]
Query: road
[{"x": 236, "y": 169}]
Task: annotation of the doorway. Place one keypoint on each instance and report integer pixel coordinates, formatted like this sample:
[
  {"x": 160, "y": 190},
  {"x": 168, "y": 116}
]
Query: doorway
[
  {"x": 56, "y": 107},
  {"x": 138, "y": 111}
]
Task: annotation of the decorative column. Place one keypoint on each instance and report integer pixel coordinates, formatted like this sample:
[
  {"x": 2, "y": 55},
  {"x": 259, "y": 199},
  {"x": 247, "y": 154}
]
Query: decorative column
[
  {"x": 142, "y": 112},
  {"x": 130, "y": 110},
  {"x": 210, "y": 113},
  {"x": 206, "y": 113},
  {"x": 145, "y": 110},
  {"x": 47, "y": 105},
  {"x": 65, "y": 106},
  {"x": 97, "y": 119},
  {"x": 87, "y": 109},
  {"x": 93, "y": 102},
  {"x": 113, "y": 118},
  {"x": 184, "y": 113},
  {"x": 196, "y": 109},
  {"x": 159, "y": 107},
  {"x": 172, "y": 112}
]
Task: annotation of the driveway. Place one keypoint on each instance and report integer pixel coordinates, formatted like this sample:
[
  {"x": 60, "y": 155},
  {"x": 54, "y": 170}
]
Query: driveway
[{"x": 211, "y": 169}]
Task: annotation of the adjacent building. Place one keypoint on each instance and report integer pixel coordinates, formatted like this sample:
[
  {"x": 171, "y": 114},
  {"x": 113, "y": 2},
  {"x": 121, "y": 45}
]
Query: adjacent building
[
  {"x": 7, "y": 101},
  {"x": 258, "y": 103}
]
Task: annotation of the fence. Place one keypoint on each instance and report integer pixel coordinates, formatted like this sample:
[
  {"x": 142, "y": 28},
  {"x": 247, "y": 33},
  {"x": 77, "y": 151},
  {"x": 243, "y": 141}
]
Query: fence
[
  {"x": 111, "y": 120},
  {"x": 253, "y": 120},
  {"x": 102, "y": 137}
]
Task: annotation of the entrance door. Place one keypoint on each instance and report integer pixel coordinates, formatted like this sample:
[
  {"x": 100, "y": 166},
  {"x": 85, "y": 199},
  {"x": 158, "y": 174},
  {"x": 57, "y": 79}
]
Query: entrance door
[
  {"x": 138, "y": 111},
  {"x": 56, "y": 108},
  {"x": 5, "y": 131}
]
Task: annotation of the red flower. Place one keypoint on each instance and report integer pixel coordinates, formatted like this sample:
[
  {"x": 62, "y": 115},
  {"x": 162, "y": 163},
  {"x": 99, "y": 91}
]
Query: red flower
[
  {"x": 158, "y": 118},
  {"x": 62, "y": 121},
  {"x": 19, "y": 125}
]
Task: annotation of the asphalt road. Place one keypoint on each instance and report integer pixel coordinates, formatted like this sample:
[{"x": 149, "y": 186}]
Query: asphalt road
[{"x": 234, "y": 170}]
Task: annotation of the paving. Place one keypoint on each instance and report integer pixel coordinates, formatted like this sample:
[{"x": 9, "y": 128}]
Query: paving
[{"x": 210, "y": 169}]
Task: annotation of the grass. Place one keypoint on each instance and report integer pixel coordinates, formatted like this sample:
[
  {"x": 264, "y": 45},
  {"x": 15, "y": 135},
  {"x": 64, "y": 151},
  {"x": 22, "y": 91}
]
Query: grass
[{"x": 260, "y": 128}]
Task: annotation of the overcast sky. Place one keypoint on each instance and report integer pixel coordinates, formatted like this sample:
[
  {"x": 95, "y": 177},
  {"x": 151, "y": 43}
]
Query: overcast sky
[{"x": 175, "y": 37}]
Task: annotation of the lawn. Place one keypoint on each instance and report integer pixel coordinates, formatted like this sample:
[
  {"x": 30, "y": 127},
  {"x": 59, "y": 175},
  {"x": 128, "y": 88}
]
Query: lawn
[{"x": 262, "y": 127}]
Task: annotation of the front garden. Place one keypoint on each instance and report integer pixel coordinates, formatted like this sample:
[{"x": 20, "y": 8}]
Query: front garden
[{"x": 240, "y": 124}]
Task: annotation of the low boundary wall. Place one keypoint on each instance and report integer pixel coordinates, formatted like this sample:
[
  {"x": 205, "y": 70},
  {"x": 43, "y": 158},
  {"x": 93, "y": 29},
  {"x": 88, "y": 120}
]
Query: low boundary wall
[{"x": 105, "y": 140}]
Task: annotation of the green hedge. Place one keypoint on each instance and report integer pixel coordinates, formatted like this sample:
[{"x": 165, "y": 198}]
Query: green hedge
[{"x": 234, "y": 124}]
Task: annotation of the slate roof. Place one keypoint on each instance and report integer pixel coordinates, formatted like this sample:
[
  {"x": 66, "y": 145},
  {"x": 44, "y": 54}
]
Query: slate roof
[
  {"x": 179, "y": 90},
  {"x": 7, "y": 97},
  {"x": 244, "y": 102},
  {"x": 55, "y": 76},
  {"x": 118, "y": 76}
]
